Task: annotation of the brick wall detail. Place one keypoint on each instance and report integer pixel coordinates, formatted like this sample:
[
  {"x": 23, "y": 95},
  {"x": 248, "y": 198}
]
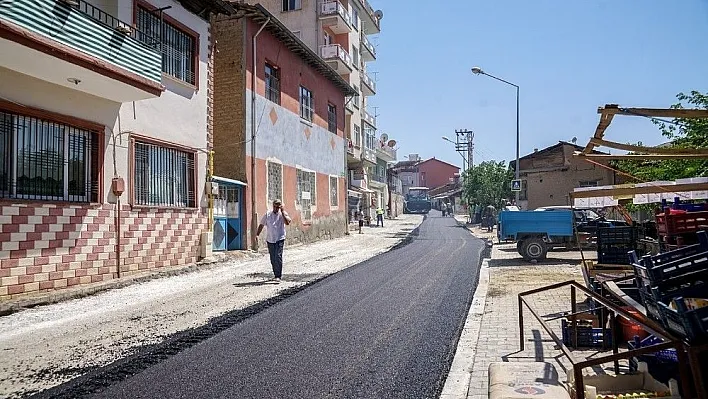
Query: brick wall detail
[{"x": 45, "y": 247}]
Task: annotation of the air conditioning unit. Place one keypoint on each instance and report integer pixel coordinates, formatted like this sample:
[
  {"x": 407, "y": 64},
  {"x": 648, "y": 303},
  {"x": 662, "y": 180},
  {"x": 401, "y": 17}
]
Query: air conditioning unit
[{"x": 124, "y": 29}]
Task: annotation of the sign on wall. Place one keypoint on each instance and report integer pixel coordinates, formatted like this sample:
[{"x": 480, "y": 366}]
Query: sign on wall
[{"x": 516, "y": 185}]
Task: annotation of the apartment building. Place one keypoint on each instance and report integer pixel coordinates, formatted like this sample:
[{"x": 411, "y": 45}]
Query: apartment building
[
  {"x": 105, "y": 125},
  {"x": 279, "y": 125},
  {"x": 339, "y": 32}
]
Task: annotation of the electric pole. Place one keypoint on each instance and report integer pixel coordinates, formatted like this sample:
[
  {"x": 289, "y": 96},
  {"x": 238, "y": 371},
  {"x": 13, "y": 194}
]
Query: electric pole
[{"x": 464, "y": 146}]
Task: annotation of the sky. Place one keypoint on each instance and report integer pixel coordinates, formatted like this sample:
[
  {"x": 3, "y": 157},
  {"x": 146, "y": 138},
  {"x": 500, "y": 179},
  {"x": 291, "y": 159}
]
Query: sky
[{"x": 568, "y": 57}]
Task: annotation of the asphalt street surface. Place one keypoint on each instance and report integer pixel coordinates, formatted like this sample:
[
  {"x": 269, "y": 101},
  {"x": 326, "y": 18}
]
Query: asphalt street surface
[{"x": 386, "y": 328}]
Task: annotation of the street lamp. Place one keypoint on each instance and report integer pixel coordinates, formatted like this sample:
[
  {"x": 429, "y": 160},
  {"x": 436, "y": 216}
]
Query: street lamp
[{"x": 479, "y": 71}]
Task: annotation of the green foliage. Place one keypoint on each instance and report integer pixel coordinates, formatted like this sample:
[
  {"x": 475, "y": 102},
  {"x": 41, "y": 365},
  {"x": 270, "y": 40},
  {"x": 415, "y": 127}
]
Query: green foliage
[
  {"x": 682, "y": 133},
  {"x": 488, "y": 183}
]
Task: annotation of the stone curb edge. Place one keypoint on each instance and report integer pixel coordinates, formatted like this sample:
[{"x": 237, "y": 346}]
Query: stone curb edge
[{"x": 458, "y": 378}]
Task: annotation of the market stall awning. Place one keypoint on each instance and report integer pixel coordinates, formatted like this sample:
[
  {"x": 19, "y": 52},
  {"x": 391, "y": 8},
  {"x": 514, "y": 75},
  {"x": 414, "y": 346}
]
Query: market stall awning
[{"x": 641, "y": 193}]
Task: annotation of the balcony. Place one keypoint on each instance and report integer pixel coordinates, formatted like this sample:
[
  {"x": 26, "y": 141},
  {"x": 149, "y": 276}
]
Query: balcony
[
  {"x": 80, "y": 47},
  {"x": 369, "y": 21},
  {"x": 368, "y": 50},
  {"x": 369, "y": 155},
  {"x": 386, "y": 153},
  {"x": 335, "y": 17},
  {"x": 368, "y": 118},
  {"x": 337, "y": 57},
  {"x": 368, "y": 86}
]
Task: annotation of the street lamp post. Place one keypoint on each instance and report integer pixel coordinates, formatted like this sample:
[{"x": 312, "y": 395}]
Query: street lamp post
[
  {"x": 479, "y": 71},
  {"x": 456, "y": 150}
]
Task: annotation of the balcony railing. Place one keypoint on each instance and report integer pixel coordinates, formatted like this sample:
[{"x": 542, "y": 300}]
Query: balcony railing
[
  {"x": 334, "y": 8},
  {"x": 90, "y": 30},
  {"x": 366, "y": 79},
  {"x": 368, "y": 118},
  {"x": 368, "y": 45},
  {"x": 114, "y": 23},
  {"x": 350, "y": 146},
  {"x": 335, "y": 52},
  {"x": 379, "y": 178}
]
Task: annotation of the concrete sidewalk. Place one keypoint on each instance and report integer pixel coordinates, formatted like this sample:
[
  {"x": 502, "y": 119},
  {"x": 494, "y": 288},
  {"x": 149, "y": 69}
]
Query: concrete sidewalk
[
  {"x": 47, "y": 345},
  {"x": 491, "y": 333}
]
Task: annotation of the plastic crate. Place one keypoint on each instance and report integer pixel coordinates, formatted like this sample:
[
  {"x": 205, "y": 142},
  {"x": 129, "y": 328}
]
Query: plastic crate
[
  {"x": 662, "y": 364},
  {"x": 588, "y": 337},
  {"x": 625, "y": 235},
  {"x": 693, "y": 265},
  {"x": 689, "y": 324},
  {"x": 619, "y": 256},
  {"x": 681, "y": 223},
  {"x": 651, "y": 305},
  {"x": 665, "y": 257}
]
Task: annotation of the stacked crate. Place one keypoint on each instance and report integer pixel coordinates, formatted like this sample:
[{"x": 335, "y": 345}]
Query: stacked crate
[
  {"x": 615, "y": 243},
  {"x": 676, "y": 276},
  {"x": 678, "y": 223}
]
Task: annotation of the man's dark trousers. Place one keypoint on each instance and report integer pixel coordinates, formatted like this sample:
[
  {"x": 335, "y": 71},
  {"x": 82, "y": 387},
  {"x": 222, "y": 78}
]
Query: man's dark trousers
[
  {"x": 275, "y": 250},
  {"x": 379, "y": 219}
]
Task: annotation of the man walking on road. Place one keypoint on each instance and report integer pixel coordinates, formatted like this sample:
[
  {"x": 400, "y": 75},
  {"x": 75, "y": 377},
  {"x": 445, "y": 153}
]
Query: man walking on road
[{"x": 275, "y": 222}]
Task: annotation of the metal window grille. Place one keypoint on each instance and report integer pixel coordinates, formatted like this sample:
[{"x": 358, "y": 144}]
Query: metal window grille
[
  {"x": 292, "y": 5},
  {"x": 275, "y": 181},
  {"x": 272, "y": 84},
  {"x": 306, "y": 104},
  {"x": 163, "y": 176},
  {"x": 178, "y": 47},
  {"x": 306, "y": 184},
  {"x": 332, "y": 118},
  {"x": 333, "y": 191},
  {"x": 47, "y": 161}
]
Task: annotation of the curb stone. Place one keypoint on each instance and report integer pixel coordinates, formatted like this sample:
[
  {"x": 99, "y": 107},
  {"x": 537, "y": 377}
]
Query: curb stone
[{"x": 458, "y": 379}]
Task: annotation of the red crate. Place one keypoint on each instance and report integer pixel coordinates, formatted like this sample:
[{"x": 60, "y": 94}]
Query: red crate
[{"x": 681, "y": 223}]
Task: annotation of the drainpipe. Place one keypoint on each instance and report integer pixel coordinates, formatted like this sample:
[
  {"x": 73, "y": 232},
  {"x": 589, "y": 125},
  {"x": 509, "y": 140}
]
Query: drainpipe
[{"x": 254, "y": 213}]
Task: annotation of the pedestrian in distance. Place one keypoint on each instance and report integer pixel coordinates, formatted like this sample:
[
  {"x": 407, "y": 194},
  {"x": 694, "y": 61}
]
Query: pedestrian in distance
[
  {"x": 449, "y": 209},
  {"x": 275, "y": 221},
  {"x": 379, "y": 216},
  {"x": 360, "y": 217}
]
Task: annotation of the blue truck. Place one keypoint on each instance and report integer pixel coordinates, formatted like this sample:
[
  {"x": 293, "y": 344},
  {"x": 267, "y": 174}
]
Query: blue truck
[{"x": 535, "y": 232}]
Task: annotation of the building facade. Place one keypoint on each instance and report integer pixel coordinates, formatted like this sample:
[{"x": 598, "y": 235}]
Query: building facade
[
  {"x": 103, "y": 140},
  {"x": 340, "y": 33},
  {"x": 549, "y": 175},
  {"x": 435, "y": 173},
  {"x": 288, "y": 128}
]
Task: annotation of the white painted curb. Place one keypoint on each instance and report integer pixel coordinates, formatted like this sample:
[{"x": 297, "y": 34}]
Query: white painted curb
[{"x": 458, "y": 380}]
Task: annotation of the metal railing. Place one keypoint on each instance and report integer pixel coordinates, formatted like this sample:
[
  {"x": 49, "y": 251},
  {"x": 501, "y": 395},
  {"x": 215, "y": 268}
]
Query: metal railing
[
  {"x": 367, "y": 44},
  {"x": 368, "y": 118},
  {"x": 368, "y": 81},
  {"x": 112, "y": 22},
  {"x": 333, "y": 8},
  {"x": 335, "y": 51}
]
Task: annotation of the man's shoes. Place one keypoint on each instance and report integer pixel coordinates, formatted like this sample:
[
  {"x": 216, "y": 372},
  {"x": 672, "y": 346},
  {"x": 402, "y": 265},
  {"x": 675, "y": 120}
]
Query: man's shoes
[{"x": 277, "y": 280}]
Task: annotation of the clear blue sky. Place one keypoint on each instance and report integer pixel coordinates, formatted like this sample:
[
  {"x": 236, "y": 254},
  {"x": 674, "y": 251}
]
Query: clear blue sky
[{"x": 568, "y": 57}]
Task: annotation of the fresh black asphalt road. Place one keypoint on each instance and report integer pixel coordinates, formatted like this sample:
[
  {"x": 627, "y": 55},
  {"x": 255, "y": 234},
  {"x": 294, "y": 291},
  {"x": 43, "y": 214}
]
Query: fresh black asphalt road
[{"x": 386, "y": 328}]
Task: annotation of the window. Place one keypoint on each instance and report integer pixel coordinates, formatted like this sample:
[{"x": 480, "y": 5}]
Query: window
[
  {"x": 588, "y": 183},
  {"x": 356, "y": 97},
  {"x": 306, "y": 104},
  {"x": 164, "y": 176},
  {"x": 357, "y": 136},
  {"x": 44, "y": 160},
  {"x": 355, "y": 17},
  {"x": 333, "y": 191},
  {"x": 292, "y": 5},
  {"x": 275, "y": 181},
  {"x": 306, "y": 192},
  {"x": 332, "y": 118},
  {"x": 272, "y": 83},
  {"x": 179, "y": 48},
  {"x": 355, "y": 56},
  {"x": 370, "y": 138}
]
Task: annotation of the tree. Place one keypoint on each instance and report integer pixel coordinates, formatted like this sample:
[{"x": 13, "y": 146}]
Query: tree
[
  {"x": 488, "y": 183},
  {"x": 682, "y": 133}
]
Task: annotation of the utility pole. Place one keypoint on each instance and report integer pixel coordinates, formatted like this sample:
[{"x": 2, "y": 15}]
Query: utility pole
[{"x": 464, "y": 146}]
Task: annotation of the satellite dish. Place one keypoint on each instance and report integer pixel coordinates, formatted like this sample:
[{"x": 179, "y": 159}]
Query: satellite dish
[
  {"x": 378, "y": 14},
  {"x": 384, "y": 137},
  {"x": 391, "y": 143},
  {"x": 574, "y": 140}
]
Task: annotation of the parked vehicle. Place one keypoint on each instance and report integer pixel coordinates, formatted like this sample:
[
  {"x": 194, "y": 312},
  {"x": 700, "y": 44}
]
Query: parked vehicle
[
  {"x": 536, "y": 232},
  {"x": 417, "y": 200},
  {"x": 587, "y": 221}
]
